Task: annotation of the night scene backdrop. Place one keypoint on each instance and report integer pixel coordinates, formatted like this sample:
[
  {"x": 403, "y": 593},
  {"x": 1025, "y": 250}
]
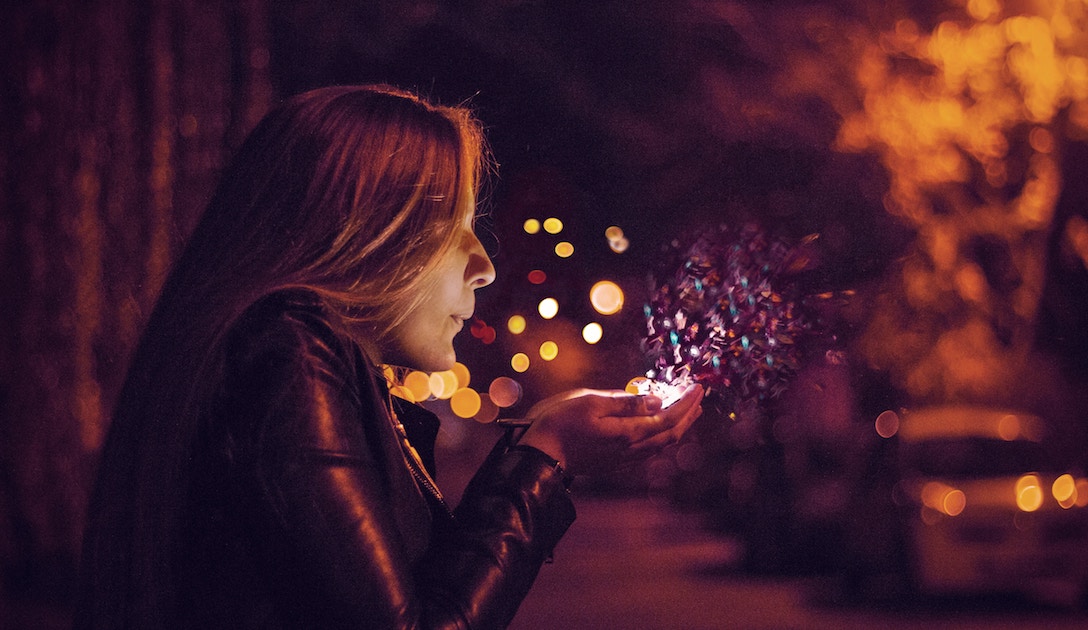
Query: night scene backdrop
[{"x": 937, "y": 151}]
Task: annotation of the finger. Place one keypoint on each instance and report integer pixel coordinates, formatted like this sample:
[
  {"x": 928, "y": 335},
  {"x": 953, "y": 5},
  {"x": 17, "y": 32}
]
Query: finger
[
  {"x": 622, "y": 404},
  {"x": 676, "y": 420}
]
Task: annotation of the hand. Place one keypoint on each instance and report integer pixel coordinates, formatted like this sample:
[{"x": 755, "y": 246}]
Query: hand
[{"x": 594, "y": 431}]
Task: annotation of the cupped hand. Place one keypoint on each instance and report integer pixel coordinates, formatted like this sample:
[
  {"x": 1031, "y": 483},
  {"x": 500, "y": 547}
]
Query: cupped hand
[{"x": 596, "y": 431}]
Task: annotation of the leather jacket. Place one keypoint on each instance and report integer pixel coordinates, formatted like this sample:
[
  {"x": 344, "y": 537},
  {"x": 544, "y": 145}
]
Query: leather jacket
[{"x": 307, "y": 511}]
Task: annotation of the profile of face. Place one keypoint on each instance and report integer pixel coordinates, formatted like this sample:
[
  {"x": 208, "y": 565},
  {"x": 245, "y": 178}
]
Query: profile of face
[{"x": 424, "y": 339}]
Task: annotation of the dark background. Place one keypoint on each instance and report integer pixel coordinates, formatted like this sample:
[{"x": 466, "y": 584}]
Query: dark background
[{"x": 658, "y": 116}]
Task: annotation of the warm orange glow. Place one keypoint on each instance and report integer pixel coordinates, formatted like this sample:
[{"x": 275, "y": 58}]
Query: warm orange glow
[
  {"x": 632, "y": 386},
  {"x": 1082, "y": 492},
  {"x": 419, "y": 384},
  {"x": 465, "y": 403},
  {"x": 1064, "y": 490},
  {"x": 564, "y": 249},
  {"x": 401, "y": 391},
  {"x": 606, "y": 297},
  {"x": 531, "y": 226},
  {"x": 943, "y": 498},
  {"x": 553, "y": 225},
  {"x": 1029, "y": 493},
  {"x": 464, "y": 377},
  {"x": 516, "y": 324}
]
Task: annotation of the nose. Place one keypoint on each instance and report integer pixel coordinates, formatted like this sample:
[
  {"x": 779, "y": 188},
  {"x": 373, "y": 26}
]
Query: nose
[{"x": 479, "y": 272}]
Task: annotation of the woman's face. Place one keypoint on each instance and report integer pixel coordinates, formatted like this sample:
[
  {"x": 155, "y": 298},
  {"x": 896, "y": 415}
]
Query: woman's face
[{"x": 424, "y": 340}]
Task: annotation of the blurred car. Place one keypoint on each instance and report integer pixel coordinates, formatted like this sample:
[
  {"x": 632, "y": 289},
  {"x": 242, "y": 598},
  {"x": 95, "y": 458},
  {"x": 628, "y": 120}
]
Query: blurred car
[{"x": 990, "y": 510}]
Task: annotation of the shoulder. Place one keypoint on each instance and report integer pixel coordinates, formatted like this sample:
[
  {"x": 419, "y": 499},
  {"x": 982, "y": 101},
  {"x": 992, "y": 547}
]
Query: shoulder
[{"x": 287, "y": 335}]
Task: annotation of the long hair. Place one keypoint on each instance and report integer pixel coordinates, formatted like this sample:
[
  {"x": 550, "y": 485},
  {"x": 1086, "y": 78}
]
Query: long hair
[{"x": 351, "y": 192}]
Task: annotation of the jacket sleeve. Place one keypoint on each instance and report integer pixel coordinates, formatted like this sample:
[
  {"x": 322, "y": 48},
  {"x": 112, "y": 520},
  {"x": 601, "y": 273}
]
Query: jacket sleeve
[{"x": 318, "y": 458}]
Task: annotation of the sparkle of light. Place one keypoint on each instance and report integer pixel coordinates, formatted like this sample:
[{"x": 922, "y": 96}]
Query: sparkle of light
[
  {"x": 516, "y": 324},
  {"x": 592, "y": 332},
  {"x": 613, "y": 233},
  {"x": 504, "y": 391},
  {"x": 531, "y": 226},
  {"x": 548, "y": 308},
  {"x": 564, "y": 249},
  {"x": 519, "y": 362},
  {"x": 619, "y": 245},
  {"x": 606, "y": 297},
  {"x": 549, "y": 350},
  {"x": 465, "y": 402},
  {"x": 633, "y": 384},
  {"x": 553, "y": 225}
]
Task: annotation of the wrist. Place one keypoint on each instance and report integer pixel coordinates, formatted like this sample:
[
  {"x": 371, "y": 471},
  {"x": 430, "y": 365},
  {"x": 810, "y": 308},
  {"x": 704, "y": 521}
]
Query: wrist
[{"x": 564, "y": 476}]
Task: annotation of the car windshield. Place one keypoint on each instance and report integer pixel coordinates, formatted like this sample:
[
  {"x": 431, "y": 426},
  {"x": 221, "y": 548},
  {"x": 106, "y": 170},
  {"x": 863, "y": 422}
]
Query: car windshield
[{"x": 975, "y": 457}]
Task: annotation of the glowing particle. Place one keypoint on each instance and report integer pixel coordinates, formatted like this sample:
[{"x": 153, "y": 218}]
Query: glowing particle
[
  {"x": 460, "y": 370},
  {"x": 519, "y": 362},
  {"x": 613, "y": 233},
  {"x": 619, "y": 245},
  {"x": 516, "y": 324},
  {"x": 549, "y": 350},
  {"x": 465, "y": 402},
  {"x": 505, "y": 391},
  {"x": 537, "y": 276},
  {"x": 548, "y": 308},
  {"x": 634, "y": 385},
  {"x": 553, "y": 225},
  {"x": 606, "y": 297},
  {"x": 531, "y": 226},
  {"x": 592, "y": 332},
  {"x": 442, "y": 384},
  {"x": 489, "y": 411},
  {"x": 564, "y": 249}
]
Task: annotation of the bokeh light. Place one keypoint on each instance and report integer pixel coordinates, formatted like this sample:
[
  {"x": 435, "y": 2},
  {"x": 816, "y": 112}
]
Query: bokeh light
[
  {"x": 887, "y": 424},
  {"x": 548, "y": 308},
  {"x": 443, "y": 384},
  {"x": 1029, "y": 493},
  {"x": 419, "y": 384},
  {"x": 619, "y": 245},
  {"x": 516, "y": 324},
  {"x": 1065, "y": 491},
  {"x": 613, "y": 233},
  {"x": 549, "y": 350},
  {"x": 505, "y": 391},
  {"x": 537, "y": 276},
  {"x": 564, "y": 249},
  {"x": 592, "y": 332},
  {"x": 531, "y": 226},
  {"x": 400, "y": 391},
  {"x": 519, "y": 362},
  {"x": 606, "y": 297},
  {"x": 633, "y": 385},
  {"x": 465, "y": 402},
  {"x": 553, "y": 225},
  {"x": 489, "y": 411},
  {"x": 461, "y": 371}
]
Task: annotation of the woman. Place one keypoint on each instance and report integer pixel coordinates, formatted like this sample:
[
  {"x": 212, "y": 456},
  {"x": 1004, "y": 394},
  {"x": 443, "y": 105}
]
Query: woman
[{"x": 257, "y": 472}]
